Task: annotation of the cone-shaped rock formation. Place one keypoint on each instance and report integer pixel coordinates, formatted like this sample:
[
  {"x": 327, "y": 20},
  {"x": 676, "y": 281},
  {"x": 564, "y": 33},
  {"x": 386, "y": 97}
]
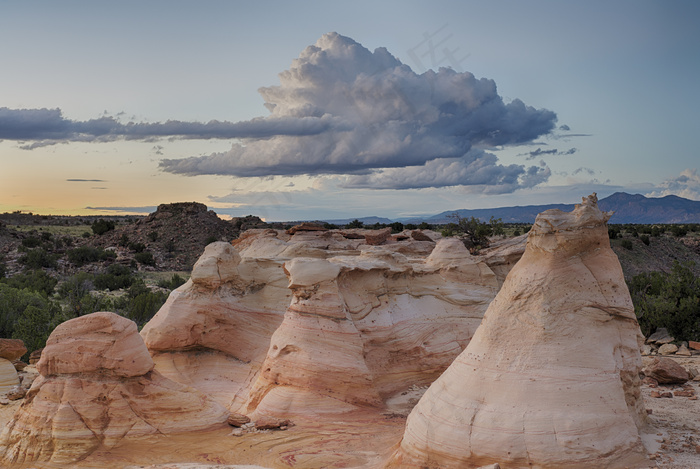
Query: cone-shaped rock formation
[{"x": 551, "y": 377}]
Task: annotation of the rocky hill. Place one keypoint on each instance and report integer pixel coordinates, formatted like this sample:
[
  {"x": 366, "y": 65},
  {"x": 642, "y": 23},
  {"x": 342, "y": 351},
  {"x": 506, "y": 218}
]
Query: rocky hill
[{"x": 175, "y": 233}]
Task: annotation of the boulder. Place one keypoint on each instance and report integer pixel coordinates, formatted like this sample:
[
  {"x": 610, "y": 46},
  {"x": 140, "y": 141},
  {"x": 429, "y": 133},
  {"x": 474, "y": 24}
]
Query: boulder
[
  {"x": 96, "y": 387},
  {"x": 237, "y": 420},
  {"x": 692, "y": 345},
  {"x": 666, "y": 371},
  {"x": 8, "y": 375},
  {"x": 271, "y": 423},
  {"x": 377, "y": 237},
  {"x": 12, "y": 349},
  {"x": 35, "y": 356},
  {"x": 660, "y": 337},
  {"x": 551, "y": 376},
  {"x": 683, "y": 351},
  {"x": 668, "y": 349},
  {"x": 306, "y": 226}
]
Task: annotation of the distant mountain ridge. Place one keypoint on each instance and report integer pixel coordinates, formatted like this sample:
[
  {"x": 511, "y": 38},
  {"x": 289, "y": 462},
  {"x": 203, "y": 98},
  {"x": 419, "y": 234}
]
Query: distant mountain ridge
[{"x": 628, "y": 208}]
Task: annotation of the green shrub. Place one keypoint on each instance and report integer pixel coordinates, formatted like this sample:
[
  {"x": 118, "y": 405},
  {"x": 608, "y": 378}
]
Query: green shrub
[
  {"x": 670, "y": 300},
  {"x": 31, "y": 242},
  {"x": 174, "y": 282},
  {"x": 101, "y": 226},
  {"x": 355, "y": 224},
  {"x": 645, "y": 239},
  {"x": 38, "y": 259},
  {"x": 627, "y": 244},
  {"x": 144, "y": 306},
  {"x": 210, "y": 239},
  {"x": 87, "y": 254},
  {"x": 34, "y": 280},
  {"x": 145, "y": 258},
  {"x": 13, "y": 305},
  {"x": 153, "y": 236},
  {"x": 115, "y": 277},
  {"x": 137, "y": 247}
]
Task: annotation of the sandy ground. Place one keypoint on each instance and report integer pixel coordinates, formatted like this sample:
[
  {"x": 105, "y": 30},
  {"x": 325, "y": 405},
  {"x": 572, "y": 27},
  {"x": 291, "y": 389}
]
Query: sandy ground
[{"x": 364, "y": 440}]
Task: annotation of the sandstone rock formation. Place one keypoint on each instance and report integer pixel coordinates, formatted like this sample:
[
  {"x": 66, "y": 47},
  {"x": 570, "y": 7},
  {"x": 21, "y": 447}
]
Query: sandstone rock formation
[
  {"x": 363, "y": 328},
  {"x": 551, "y": 377},
  {"x": 221, "y": 319},
  {"x": 8, "y": 375},
  {"x": 391, "y": 316},
  {"x": 97, "y": 387}
]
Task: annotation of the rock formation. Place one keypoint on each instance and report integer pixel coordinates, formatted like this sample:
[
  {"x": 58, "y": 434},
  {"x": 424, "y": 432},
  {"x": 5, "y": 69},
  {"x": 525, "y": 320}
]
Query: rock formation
[
  {"x": 96, "y": 387},
  {"x": 221, "y": 319},
  {"x": 8, "y": 375},
  {"x": 551, "y": 377},
  {"x": 363, "y": 328},
  {"x": 391, "y": 316}
]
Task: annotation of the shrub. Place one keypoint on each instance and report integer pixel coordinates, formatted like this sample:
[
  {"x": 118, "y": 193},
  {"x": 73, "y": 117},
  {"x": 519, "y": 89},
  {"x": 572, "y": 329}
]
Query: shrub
[
  {"x": 670, "y": 300},
  {"x": 210, "y": 239},
  {"x": 34, "y": 280},
  {"x": 153, "y": 236},
  {"x": 123, "y": 240},
  {"x": 355, "y": 224},
  {"x": 86, "y": 254},
  {"x": 101, "y": 226},
  {"x": 31, "y": 242},
  {"x": 13, "y": 304},
  {"x": 627, "y": 244},
  {"x": 645, "y": 239},
  {"x": 144, "y": 306},
  {"x": 174, "y": 282},
  {"x": 38, "y": 259},
  {"x": 145, "y": 258},
  {"x": 137, "y": 247},
  {"x": 396, "y": 227},
  {"x": 115, "y": 277}
]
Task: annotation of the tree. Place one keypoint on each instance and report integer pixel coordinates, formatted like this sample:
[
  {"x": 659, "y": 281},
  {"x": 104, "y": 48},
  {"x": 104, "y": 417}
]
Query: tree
[
  {"x": 670, "y": 300},
  {"x": 355, "y": 224}
]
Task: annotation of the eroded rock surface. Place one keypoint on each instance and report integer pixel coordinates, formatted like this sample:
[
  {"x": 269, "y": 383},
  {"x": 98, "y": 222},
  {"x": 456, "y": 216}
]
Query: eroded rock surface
[
  {"x": 551, "y": 377},
  {"x": 97, "y": 386},
  {"x": 357, "y": 324}
]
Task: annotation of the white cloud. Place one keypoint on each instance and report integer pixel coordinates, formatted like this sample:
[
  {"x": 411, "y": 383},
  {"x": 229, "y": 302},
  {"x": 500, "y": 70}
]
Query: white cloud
[
  {"x": 383, "y": 116},
  {"x": 686, "y": 185}
]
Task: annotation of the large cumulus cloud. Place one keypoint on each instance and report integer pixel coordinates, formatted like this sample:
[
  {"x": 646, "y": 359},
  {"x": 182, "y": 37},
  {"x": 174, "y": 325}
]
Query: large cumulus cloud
[
  {"x": 341, "y": 109},
  {"x": 391, "y": 127}
]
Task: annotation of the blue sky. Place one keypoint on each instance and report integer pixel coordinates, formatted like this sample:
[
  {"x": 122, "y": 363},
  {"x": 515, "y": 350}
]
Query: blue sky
[{"x": 118, "y": 107}]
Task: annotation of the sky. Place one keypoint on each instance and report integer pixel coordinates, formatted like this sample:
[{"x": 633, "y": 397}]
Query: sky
[{"x": 327, "y": 110}]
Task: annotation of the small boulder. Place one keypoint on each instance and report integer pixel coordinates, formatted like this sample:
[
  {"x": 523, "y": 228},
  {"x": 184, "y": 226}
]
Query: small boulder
[
  {"x": 668, "y": 349},
  {"x": 377, "y": 237},
  {"x": 418, "y": 235},
  {"x": 692, "y": 345},
  {"x": 19, "y": 365},
  {"x": 666, "y": 371},
  {"x": 683, "y": 351},
  {"x": 306, "y": 226},
  {"x": 270, "y": 423},
  {"x": 12, "y": 349},
  {"x": 237, "y": 420},
  {"x": 35, "y": 356},
  {"x": 661, "y": 336}
]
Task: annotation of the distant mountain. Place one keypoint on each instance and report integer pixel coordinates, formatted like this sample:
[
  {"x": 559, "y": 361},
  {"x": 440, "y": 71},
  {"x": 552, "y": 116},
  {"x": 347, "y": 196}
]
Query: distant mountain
[{"x": 628, "y": 208}]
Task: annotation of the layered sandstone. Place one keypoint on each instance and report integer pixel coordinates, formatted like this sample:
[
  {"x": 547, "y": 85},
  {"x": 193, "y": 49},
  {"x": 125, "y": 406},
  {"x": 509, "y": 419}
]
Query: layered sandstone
[
  {"x": 390, "y": 316},
  {"x": 221, "y": 319},
  {"x": 361, "y": 329},
  {"x": 97, "y": 387},
  {"x": 551, "y": 377}
]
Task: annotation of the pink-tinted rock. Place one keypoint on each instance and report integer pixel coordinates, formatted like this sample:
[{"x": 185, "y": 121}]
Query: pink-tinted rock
[
  {"x": 666, "y": 371},
  {"x": 12, "y": 349},
  {"x": 306, "y": 226},
  {"x": 237, "y": 420},
  {"x": 692, "y": 345},
  {"x": 551, "y": 376},
  {"x": 97, "y": 387},
  {"x": 95, "y": 343}
]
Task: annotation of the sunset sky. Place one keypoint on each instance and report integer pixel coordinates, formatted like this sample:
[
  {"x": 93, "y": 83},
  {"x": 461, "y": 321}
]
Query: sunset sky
[{"x": 323, "y": 110}]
